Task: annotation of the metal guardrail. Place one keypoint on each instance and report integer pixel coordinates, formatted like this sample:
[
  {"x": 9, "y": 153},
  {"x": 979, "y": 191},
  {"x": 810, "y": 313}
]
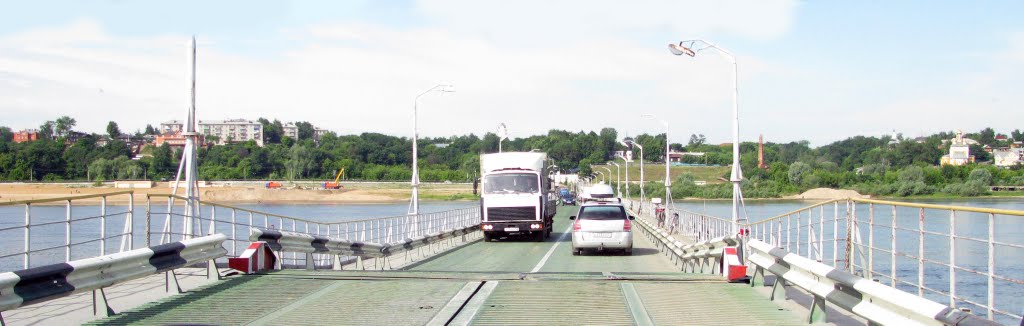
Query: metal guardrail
[
  {"x": 879, "y": 304},
  {"x": 940, "y": 252},
  {"x": 162, "y": 224},
  {"x": 334, "y": 248},
  {"x": 81, "y": 230},
  {"x": 700, "y": 257},
  {"x": 48, "y": 282}
]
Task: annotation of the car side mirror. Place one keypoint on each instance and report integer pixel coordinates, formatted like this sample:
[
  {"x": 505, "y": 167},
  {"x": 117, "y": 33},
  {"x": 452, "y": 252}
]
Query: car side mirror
[
  {"x": 631, "y": 217},
  {"x": 572, "y": 217}
]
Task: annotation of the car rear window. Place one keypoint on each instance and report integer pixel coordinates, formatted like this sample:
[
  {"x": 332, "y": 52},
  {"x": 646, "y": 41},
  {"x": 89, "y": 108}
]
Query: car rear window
[{"x": 602, "y": 213}]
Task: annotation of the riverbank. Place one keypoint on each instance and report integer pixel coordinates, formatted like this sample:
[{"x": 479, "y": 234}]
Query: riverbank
[{"x": 247, "y": 193}]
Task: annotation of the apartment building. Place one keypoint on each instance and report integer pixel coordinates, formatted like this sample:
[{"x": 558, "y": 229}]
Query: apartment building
[{"x": 221, "y": 131}]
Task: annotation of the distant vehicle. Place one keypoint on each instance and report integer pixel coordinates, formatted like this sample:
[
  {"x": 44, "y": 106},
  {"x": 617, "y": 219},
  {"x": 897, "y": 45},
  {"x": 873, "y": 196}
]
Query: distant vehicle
[
  {"x": 568, "y": 200},
  {"x": 584, "y": 195},
  {"x": 335, "y": 184},
  {"x": 516, "y": 197},
  {"x": 601, "y": 226},
  {"x": 601, "y": 191},
  {"x": 274, "y": 185}
]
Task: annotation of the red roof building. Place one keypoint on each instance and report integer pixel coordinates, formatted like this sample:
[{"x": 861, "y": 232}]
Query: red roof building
[{"x": 26, "y": 135}]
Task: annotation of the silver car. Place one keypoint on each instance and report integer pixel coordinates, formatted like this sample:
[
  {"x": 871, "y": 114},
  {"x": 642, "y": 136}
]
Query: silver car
[{"x": 602, "y": 225}]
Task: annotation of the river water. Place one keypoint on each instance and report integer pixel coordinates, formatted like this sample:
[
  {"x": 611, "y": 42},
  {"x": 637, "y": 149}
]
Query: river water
[{"x": 1009, "y": 262}]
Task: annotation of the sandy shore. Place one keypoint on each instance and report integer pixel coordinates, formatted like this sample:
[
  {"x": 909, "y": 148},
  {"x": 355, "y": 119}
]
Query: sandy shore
[{"x": 239, "y": 192}]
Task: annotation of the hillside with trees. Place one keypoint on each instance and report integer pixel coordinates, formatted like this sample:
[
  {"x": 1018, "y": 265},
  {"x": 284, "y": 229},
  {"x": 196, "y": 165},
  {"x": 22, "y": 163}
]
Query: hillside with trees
[{"x": 892, "y": 166}]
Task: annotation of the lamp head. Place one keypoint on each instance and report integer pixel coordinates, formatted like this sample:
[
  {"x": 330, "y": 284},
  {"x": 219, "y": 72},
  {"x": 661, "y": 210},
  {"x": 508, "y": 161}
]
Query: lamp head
[
  {"x": 448, "y": 88},
  {"x": 679, "y": 49}
]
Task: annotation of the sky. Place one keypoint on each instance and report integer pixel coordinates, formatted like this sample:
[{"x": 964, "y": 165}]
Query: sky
[{"x": 819, "y": 71}]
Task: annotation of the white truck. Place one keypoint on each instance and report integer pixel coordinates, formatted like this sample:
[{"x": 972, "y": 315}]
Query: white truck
[{"x": 516, "y": 198}]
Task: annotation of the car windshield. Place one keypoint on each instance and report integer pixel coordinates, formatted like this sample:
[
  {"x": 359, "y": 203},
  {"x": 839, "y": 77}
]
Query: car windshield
[
  {"x": 511, "y": 183},
  {"x": 602, "y": 213}
]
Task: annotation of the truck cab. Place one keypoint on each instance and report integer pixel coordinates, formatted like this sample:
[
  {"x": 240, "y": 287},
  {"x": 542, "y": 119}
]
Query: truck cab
[{"x": 516, "y": 196}]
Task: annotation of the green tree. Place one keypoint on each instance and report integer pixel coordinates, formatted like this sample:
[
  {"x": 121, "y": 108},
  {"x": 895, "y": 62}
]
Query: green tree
[
  {"x": 799, "y": 173},
  {"x": 306, "y": 130},
  {"x": 112, "y": 130},
  {"x": 64, "y": 125},
  {"x": 697, "y": 140}
]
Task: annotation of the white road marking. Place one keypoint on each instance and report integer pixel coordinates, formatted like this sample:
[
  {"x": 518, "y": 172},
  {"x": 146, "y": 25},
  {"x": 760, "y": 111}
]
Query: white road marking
[{"x": 544, "y": 260}]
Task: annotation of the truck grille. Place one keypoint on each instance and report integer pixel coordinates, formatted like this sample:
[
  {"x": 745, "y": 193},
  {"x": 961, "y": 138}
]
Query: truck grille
[{"x": 511, "y": 213}]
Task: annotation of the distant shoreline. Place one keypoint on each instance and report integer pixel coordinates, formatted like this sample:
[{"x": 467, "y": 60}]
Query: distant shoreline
[{"x": 351, "y": 193}]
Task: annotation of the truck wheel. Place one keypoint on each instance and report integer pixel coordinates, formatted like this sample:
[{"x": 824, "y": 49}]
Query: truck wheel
[
  {"x": 539, "y": 237},
  {"x": 576, "y": 252},
  {"x": 488, "y": 237}
]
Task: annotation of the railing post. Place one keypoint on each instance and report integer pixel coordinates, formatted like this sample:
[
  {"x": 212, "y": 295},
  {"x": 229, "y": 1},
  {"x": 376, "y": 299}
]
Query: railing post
[
  {"x": 28, "y": 235},
  {"x": 131, "y": 222},
  {"x": 149, "y": 220},
  {"x": 871, "y": 242},
  {"x": 952, "y": 258},
  {"x": 234, "y": 238},
  {"x": 103, "y": 225},
  {"x": 991, "y": 266},
  {"x": 835, "y": 235},
  {"x": 920, "y": 254},
  {"x": 892, "y": 253},
  {"x": 67, "y": 232}
]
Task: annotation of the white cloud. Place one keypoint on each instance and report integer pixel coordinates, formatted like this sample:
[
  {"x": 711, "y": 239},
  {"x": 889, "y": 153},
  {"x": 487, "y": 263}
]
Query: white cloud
[{"x": 532, "y": 65}]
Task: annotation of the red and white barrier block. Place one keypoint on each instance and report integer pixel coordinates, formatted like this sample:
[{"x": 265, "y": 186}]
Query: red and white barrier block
[
  {"x": 732, "y": 268},
  {"x": 258, "y": 257}
]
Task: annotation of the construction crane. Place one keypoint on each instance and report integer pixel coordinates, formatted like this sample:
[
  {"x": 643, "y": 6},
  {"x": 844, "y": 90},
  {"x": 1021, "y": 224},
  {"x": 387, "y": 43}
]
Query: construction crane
[{"x": 335, "y": 184}]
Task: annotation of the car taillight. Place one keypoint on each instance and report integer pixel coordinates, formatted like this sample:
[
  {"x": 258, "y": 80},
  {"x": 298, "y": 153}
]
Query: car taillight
[
  {"x": 576, "y": 225},
  {"x": 626, "y": 226}
]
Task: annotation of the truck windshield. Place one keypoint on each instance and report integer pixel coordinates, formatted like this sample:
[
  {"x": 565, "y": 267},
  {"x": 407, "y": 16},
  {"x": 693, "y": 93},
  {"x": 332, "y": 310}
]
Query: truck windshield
[{"x": 511, "y": 183}]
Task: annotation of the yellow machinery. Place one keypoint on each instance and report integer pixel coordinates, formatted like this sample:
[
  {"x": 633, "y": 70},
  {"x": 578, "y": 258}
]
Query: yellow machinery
[{"x": 335, "y": 184}]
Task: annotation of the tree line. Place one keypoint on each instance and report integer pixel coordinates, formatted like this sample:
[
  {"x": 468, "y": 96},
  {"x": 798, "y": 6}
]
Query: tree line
[{"x": 884, "y": 165}]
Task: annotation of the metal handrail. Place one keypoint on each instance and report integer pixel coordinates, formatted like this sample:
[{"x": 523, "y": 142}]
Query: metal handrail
[
  {"x": 65, "y": 198},
  {"x": 72, "y": 240},
  {"x": 877, "y": 240},
  {"x": 942, "y": 207}
]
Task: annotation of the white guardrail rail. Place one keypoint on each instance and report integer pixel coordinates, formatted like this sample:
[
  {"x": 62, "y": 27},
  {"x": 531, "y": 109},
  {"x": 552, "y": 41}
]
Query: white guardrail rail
[
  {"x": 48, "y": 282},
  {"x": 703, "y": 257},
  {"x": 310, "y": 245},
  {"x": 163, "y": 225},
  {"x": 879, "y": 304}
]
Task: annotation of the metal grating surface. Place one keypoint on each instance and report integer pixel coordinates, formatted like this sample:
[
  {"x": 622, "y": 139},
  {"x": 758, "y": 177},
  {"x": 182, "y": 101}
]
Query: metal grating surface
[
  {"x": 231, "y": 302},
  {"x": 711, "y": 304},
  {"x": 555, "y": 303},
  {"x": 371, "y": 303}
]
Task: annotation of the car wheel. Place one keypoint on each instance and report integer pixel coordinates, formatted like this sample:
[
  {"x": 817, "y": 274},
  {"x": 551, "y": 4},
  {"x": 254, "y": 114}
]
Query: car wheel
[
  {"x": 628, "y": 251},
  {"x": 576, "y": 252}
]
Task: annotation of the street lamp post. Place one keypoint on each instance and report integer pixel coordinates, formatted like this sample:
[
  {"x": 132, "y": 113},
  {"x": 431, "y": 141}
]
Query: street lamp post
[
  {"x": 626, "y": 162},
  {"x": 609, "y": 173},
  {"x": 414, "y": 202},
  {"x": 502, "y": 134},
  {"x": 603, "y": 179},
  {"x": 618, "y": 177},
  {"x": 687, "y": 47},
  {"x": 642, "y": 194},
  {"x": 668, "y": 179}
]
